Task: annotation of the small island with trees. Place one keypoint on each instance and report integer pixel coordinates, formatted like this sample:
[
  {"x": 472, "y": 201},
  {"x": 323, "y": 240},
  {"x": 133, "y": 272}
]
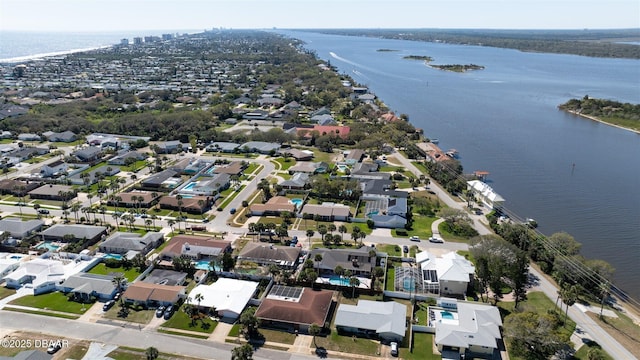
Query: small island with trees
[
  {"x": 458, "y": 67},
  {"x": 419, "y": 57},
  {"x": 623, "y": 115}
]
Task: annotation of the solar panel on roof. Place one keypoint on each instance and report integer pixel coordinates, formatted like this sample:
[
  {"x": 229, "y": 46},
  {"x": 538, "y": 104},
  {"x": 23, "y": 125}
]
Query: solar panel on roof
[{"x": 286, "y": 291}]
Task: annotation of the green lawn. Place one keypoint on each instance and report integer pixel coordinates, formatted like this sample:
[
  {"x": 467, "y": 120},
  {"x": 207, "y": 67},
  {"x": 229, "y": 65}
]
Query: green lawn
[
  {"x": 136, "y": 314},
  {"x": 421, "y": 227},
  {"x": 227, "y": 199},
  {"x": 180, "y": 320},
  {"x": 447, "y": 236},
  {"x": 55, "y": 301},
  {"x": 101, "y": 269},
  {"x": 4, "y": 292},
  {"x": 391, "y": 278},
  {"x": 582, "y": 353},
  {"x": 391, "y": 250},
  {"x": 422, "y": 348},
  {"x": 348, "y": 344},
  {"x": 282, "y": 337},
  {"x": 284, "y": 164}
]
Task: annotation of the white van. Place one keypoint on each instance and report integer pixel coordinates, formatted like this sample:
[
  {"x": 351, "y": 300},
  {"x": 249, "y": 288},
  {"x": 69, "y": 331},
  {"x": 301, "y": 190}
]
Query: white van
[{"x": 394, "y": 348}]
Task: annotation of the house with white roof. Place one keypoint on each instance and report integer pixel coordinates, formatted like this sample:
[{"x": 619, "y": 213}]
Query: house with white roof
[
  {"x": 227, "y": 296},
  {"x": 384, "y": 320},
  {"x": 465, "y": 328},
  {"x": 449, "y": 274},
  {"x": 485, "y": 194},
  {"x": 9, "y": 262},
  {"x": 43, "y": 274}
]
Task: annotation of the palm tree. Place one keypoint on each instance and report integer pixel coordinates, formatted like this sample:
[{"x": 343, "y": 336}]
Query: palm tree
[
  {"x": 199, "y": 297},
  {"x": 75, "y": 208},
  {"x": 331, "y": 228},
  {"x": 151, "y": 353},
  {"x": 310, "y": 233},
  {"x": 342, "y": 229},
  {"x": 171, "y": 222},
  {"x": 119, "y": 281},
  {"x": 116, "y": 216},
  {"x": 353, "y": 282},
  {"x": 314, "y": 329},
  {"x": 318, "y": 259}
]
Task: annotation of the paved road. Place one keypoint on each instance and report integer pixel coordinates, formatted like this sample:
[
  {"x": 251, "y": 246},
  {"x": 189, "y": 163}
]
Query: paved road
[{"x": 52, "y": 328}]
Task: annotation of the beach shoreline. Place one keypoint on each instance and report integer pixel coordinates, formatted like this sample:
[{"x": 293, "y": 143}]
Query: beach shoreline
[{"x": 27, "y": 58}]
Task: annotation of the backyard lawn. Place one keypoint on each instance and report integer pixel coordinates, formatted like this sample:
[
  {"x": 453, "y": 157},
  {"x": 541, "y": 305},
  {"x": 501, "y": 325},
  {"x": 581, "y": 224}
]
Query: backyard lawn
[
  {"x": 422, "y": 348},
  {"x": 55, "y": 301},
  {"x": 101, "y": 269}
]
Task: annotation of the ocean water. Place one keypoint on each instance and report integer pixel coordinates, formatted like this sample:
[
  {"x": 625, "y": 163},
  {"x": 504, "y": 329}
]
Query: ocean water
[{"x": 17, "y": 46}]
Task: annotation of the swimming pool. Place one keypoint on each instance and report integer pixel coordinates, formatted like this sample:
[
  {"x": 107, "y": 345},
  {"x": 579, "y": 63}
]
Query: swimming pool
[
  {"x": 210, "y": 170},
  {"x": 337, "y": 280},
  {"x": 409, "y": 284},
  {"x": 373, "y": 212},
  {"x": 297, "y": 202},
  {"x": 190, "y": 186},
  {"x": 447, "y": 315},
  {"x": 113, "y": 256},
  {"x": 48, "y": 246},
  {"x": 342, "y": 168},
  {"x": 204, "y": 265}
]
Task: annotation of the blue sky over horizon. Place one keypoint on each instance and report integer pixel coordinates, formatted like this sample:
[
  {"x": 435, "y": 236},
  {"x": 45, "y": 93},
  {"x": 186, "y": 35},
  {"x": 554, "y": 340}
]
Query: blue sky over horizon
[{"x": 125, "y": 15}]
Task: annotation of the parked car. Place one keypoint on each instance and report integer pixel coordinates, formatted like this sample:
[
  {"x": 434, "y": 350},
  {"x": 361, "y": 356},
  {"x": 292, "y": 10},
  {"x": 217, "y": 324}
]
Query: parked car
[
  {"x": 108, "y": 305},
  {"x": 53, "y": 348},
  {"x": 168, "y": 312},
  {"x": 321, "y": 352},
  {"x": 414, "y": 238},
  {"x": 405, "y": 249},
  {"x": 160, "y": 311},
  {"x": 394, "y": 348},
  {"x": 434, "y": 239},
  {"x": 117, "y": 296},
  {"x": 43, "y": 211},
  {"x": 232, "y": 211}
]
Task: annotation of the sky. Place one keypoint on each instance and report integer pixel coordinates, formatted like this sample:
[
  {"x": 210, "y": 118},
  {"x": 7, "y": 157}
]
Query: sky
[{"x": 124, "y": 15}]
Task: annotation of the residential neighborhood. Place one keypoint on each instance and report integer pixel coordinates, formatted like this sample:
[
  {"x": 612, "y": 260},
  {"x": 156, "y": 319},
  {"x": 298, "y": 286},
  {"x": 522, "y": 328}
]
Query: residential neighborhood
[{"x": 287, "y": 224}]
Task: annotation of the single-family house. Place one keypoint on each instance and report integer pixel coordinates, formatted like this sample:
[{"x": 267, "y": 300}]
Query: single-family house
[
  {"x": 153, "y": 295},
  {"x": 88, "y": 154},
  {"x": 233, "y": 168},
  {"x": 17, "y": 187},
  {"x": 195, "y": 247},
  {"x": 166, "y": 179},
  {"x": 373, "y": 319},
  {"x": 42, "y": 275},
  {"x": 192, "y": 205},
  {"x": 29, "y": 137},
  {"x": 206, "y": 186},
  {"x": 65, "y": 136},
  {"x": 285, "y": 257},
  {"x": 260, "y": 147},
  {"x": 169, "y": 147},
  {"x": 274, "y": 207},
  {"x": 297, "y": 182},
  {"x": 449, "y": 274},
  {"x": 227, "y": 296},
  {"x": 327, "y": 211},
  {"x": 295, "y": 308},
  {"x": 225, "y": 147},
  {"x": 124, "y": 158},
  {"x": 299, "y": 155},
  {"x": 85, "y": 286},
  {"x": 93, "y": 176},
  {"x": 8, "y": 263},
  {"x": 485, "y": 194},
  {"x": 131, "y": 244},
  {"x": 354, "y": 156},
  {"x": 18, "y": 229},
  {"x": 318, "y": 167},
  {"x": 74, "y": 232},
  {"x": 54, "y": 169},
  {"x": 466, "y": 329},
  {"x": 53, "y": 192},
  {"x": 359, "y": 261}
]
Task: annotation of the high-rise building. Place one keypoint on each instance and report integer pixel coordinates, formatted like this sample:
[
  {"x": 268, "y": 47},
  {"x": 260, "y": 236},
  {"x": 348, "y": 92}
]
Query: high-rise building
[
  {"x": 137, "y": 40},
  {"x": 124, "y": 41}
]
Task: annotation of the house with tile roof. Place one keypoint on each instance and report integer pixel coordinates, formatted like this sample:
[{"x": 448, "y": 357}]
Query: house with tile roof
[{"x": 295, "y": 309}]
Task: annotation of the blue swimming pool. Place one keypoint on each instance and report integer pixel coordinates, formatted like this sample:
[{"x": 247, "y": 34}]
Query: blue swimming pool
[
  {"x": 409, "y": 284},
  {"x": 342, "y": 168},
  {"x": 190, "y": 186},
  {"x": 373, "y": 212},
  {"x": 210, "y": 170},
  {"x": 446, "y": 315},
  {"x": 337, "y": 280},
  {"x": 297, "y": 202},
  {"x": 204, "y": 265},
  {"x": 113, "y": 256},
  {"x": 48, "y": 246}
]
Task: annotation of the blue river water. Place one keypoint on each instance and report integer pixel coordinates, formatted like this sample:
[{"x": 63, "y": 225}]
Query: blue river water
[{"x": 568, "y": 173}]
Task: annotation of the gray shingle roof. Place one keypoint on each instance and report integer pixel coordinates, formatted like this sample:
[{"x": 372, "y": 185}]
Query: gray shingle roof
[
  {"x": 78, "y": 231},
  {"x": 382, "y": 317}
]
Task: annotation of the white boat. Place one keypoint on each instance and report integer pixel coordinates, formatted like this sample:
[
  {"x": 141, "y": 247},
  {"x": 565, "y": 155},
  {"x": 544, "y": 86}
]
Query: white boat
[{"x": 434, "y": 141}]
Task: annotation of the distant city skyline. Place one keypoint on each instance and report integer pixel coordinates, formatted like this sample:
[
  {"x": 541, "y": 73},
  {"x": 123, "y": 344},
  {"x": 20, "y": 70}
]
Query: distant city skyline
[{"x": 140, "y": 15}]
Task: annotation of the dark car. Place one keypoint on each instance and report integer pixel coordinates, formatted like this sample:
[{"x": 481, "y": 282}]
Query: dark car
[
  {"x": 160, "y": 311},
  {"x": 232, "y": 211},
  {"x": 321, "y": 352},
  {"x": 43, "y": 211},
  {"x": 168, "y": 312},
  {"x": 53, "y": 348},
  {"x": 108, "y": 305},
  {"x": 405, "y": 249}
]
